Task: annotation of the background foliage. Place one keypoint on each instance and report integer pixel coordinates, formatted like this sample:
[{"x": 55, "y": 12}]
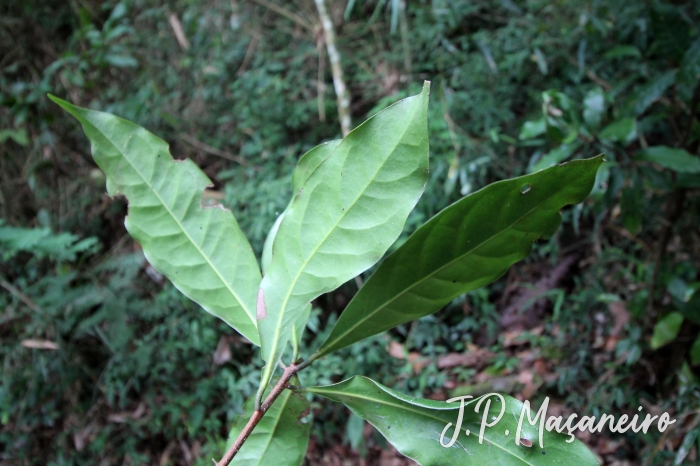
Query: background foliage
[{"x": 103, "y": 358}]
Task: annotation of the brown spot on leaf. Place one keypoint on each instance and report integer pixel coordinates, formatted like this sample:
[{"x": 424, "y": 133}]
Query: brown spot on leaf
[{"x": 261, "y": 309}]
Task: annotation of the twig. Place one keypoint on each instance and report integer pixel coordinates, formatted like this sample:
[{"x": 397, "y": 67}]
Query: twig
[
  {"x": 287, "y": 14},
  {"x": 675, "y": 210},
  {"x": 21, "y": 296},
  {"x": 693, "y": 105},
  {"x": 248, "y": 54},
  {"x": 213, "y": 150},
  {"x": 179, "y": 32},
  {"x": 592, "y": 76},
  {"x": 283, "y": 383},
  {"x": 341, "y": 90}
]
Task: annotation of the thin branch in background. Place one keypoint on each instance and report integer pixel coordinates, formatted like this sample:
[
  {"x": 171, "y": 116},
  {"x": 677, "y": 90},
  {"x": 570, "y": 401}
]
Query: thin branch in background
[
  {"x": 21, "y": 296},
  {"x": 320, "y": 83},
  {"x": 179, "y": 32},
  {"x": 249, "y": 53},
  {"x": 405, "y": 39},
  {"x": 341, "y": 89},
  {"x": 287, "y": 14},
  {"x": 213, "y": 150}
]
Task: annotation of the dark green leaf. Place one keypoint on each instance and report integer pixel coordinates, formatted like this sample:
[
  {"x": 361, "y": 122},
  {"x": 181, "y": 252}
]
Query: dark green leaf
[
  {"x": 281, "y": 437},
  {"x": 623, "y": 51},
  {"x": 695, "y": 352},
  {"x": 466, "y": 246},
  {"x": 673, "y": 159},
  {"x": 344, "y": 218},
  {"x": 201, "y": 250},
  {"x": 689, "y": 71},
  {"x": 652, "y": 91},
  {"x": 415, "y": 427}
]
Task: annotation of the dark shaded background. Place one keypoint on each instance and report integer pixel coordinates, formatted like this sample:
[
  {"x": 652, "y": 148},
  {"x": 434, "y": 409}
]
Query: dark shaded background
[{"x": 103, "y": 362}]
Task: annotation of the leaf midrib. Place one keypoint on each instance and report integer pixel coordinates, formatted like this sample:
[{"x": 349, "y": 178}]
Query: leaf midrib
[
  {"x": 313, "y": 253},
  {"x": 410, "y": 408},
  {"x": 430, "y": 275},
  {"x": 172, "y": 215}
]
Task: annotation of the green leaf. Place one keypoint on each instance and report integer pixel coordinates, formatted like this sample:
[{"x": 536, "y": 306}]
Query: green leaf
[
  {"x": 623, "y": 51},
  {"x": 622, "y": 131},
  {"x": 307, "y": 164},
  {"x": 200, "y": 249},
  {"x": 695, "y": 352},
  {"x": 532, "y": 129},
  {"x": 632, "y": 205},
  {"x": 121, "y": 61},
  {"x": 555, "y": 156},
  {"x": 415, "y": 426},
  {"x": 594, "y": 107},
  {"x": 466, "y": 246},
  {"x": 689, "y": 71},
  {"x": 280, "y": 438},
  {"x": 652, "y": 91},
  {"x": 674, "y": 159},
  {"x": 345, "y": 217},
  {"x": 666, "y": 329},
  {"x": 298, "y": 331}
]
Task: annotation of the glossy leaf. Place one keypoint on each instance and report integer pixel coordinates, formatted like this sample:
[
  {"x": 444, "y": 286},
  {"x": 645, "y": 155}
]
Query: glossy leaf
[
  {"x": 414, "y": 426},
  {"x": 666, "y": 329},
  {"x": 344, "y": 218},
  {"x": 200, "y": 249},
  {"x": 282, "y": 436},
  {"x": 674, "y": 159},
  {"x": 466, "y": 246},
  {"x": 307, "y": 164}
]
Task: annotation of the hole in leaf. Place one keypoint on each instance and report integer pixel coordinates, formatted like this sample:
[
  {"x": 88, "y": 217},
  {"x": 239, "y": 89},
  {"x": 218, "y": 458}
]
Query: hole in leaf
[{"x": 525, "y": 189}]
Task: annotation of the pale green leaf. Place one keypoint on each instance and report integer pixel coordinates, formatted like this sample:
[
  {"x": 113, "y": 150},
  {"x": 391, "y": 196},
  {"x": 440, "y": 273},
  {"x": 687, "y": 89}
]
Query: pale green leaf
[
  {"x": 594, "y": 107},
  {"x": 345, "y": 217},
  {"x": 200, "y": 249},
  {"x": 622, "y": 131},
  {"x": 666, "y": 329},
  {"x": 466, "y": 246},
  {"x": 298, "y": 331},
  {"x": 307, "y": 164},
  {"x": 674, "y": 159},
  {"x": 555, "y": 156},
  {"x": 414, "y": 426},
  {"x": 532, "y": 129},
  {"x": 280, "y": 438}
]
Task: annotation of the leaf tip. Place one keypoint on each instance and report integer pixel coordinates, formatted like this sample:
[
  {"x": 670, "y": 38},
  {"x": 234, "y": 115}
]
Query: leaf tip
[{"x": 426, "y": 88}]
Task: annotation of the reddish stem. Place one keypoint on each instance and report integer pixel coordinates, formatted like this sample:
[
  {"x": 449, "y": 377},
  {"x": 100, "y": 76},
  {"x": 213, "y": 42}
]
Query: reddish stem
[{"x": 258, "y": 414}]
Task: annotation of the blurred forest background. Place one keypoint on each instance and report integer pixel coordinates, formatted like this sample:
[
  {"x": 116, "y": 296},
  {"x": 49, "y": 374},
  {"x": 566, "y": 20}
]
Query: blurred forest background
[{"x": 104, "y": 362}]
